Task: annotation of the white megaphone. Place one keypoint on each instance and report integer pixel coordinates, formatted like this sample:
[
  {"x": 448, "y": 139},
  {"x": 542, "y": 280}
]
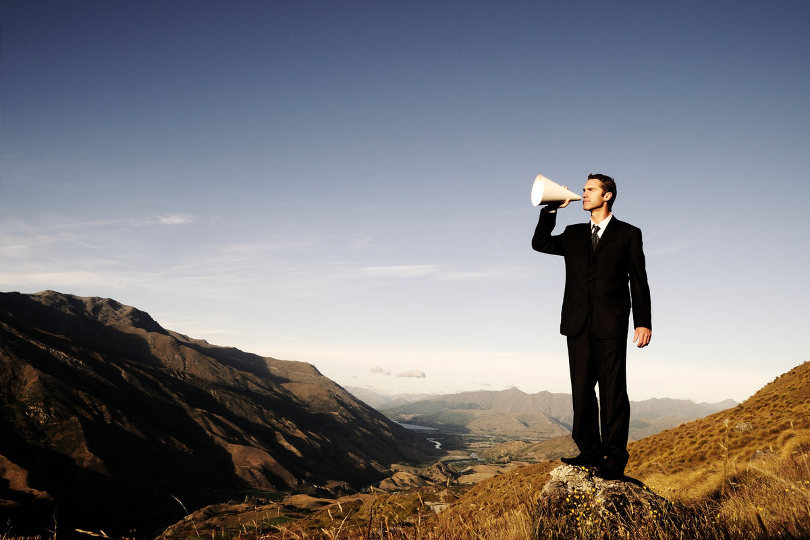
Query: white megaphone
[{"x": 544, "y": 191}]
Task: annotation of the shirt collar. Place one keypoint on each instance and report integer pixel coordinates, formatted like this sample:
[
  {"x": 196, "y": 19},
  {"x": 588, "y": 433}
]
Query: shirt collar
[{"x": 602, "y": 224}]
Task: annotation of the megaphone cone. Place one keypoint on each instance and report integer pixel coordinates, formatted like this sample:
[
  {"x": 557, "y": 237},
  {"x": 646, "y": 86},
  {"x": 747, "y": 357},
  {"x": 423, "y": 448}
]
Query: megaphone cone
[{"x": 544, "y": 191}]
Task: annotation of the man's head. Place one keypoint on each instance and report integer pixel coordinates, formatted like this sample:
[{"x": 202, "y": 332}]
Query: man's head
[{"x": 599, "y": 189}]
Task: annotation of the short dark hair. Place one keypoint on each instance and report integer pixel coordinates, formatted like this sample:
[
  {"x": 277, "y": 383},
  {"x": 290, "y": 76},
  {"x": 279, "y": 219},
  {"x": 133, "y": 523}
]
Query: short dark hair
[{"x": 608, "y": 186}]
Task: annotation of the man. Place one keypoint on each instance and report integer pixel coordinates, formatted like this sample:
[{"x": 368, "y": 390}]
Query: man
[{"x": 601, "y": 258}]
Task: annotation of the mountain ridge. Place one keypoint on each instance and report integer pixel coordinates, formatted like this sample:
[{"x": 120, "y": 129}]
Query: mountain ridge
[
  {"x": 106, "y": 413},
  {"x": 541, "y": 415}
]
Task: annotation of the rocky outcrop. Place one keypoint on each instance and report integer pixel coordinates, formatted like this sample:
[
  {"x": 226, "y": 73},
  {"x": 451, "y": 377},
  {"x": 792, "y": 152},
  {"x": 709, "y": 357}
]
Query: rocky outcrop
[
  {"x": 593, "y": 505},
  {"x": 438, "y": 474}
]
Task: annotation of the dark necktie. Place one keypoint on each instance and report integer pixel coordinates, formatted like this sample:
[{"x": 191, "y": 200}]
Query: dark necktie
[{"x": 594, "y": 237}]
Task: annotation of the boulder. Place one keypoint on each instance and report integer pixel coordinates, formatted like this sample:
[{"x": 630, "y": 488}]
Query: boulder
[{"x": 577, "y": 501}]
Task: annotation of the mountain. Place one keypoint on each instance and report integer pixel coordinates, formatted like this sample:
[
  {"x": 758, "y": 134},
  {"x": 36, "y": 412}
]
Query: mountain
[
  {"x": 514, "y": 414},
  {"x": 110, "y": 421},
  {"x": 382, "y": 401},
  {"x": 506, "y": 413},
  {"x": 664, "y": 407}
]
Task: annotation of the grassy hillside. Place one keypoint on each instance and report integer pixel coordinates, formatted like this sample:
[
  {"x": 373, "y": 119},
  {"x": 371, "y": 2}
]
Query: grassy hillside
[
  {"x": 738, "y": 474},
  {"x": 702, "y": 457}
]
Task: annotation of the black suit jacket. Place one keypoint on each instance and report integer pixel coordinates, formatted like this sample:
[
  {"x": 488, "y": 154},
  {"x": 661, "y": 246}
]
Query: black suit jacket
[{"x": 599, "y": 284}]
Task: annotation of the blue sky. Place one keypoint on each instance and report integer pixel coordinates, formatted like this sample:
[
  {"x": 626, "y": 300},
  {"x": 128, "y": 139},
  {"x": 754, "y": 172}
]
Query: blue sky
[{"x": 347, "y": 183}]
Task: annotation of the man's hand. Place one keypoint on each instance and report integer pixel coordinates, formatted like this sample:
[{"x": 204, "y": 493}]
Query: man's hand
[
  {"x": 557, "y": 204},
  {"x": 643, "y": 336}
]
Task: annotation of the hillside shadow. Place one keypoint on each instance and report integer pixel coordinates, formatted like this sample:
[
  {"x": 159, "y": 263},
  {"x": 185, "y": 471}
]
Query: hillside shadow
[
  {"x": 237, "y": 359},
  {"x": 144, "y": 422},
  {"x": 53, "y": 325},
  {"x": 150, "y": 447}
]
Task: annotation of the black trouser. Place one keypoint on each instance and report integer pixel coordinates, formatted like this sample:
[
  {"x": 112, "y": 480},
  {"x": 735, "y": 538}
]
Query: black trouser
[{"x": 600, "y": 361}]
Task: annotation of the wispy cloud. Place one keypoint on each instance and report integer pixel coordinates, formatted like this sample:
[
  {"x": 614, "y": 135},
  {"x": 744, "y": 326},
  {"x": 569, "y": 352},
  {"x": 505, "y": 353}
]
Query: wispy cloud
[
  {"x": 440, "y": 272},
  {"x": 174, "y": 219},
  {"x": 13, "y": 250},
  {"x": 66, "y": 280},
  {"x": 400, "y": 271},
  {"x": 413, "y": 373},
  {"x": 86, "y": 255}
]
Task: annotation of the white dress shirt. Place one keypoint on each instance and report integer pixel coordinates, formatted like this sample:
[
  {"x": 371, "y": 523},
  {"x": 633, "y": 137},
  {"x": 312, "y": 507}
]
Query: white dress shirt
[{"x": 602, "y": 224}]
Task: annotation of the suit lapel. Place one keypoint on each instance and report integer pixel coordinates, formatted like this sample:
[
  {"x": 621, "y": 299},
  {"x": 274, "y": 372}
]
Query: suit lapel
[{"x": 609, "y": 233}]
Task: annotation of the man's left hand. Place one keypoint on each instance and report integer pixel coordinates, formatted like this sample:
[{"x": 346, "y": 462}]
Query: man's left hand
[{"x": 642, "y": 336}]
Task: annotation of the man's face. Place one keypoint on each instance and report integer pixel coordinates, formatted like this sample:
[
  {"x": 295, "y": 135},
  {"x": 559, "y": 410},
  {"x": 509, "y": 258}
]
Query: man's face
[{"x": 593, "y": 196}]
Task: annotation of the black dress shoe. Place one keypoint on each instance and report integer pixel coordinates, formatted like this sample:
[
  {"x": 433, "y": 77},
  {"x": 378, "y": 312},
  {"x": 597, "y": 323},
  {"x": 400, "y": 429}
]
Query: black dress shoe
[
  {"x": 582, "y": 460},
  {"x": 611, "y": 473},
  {"x": 612, "y": 468}
]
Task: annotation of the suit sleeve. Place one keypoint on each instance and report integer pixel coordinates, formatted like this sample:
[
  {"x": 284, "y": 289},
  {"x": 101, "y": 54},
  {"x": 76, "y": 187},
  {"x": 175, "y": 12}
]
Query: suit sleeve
[
  {"x": 543, "y": 241},
  {"x": 639, "y": 288}
]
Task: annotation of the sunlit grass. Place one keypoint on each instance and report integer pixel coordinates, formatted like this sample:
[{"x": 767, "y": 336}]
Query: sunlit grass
[{"x": 768, "y": 497}]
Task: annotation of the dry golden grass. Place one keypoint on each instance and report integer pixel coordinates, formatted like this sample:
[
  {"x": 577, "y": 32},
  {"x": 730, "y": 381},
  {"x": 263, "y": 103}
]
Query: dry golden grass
[
  {"x": 696, "y": 459},
  {"x": 738, "y": 474},
  {"x": 756, "y": 505},
  {"x": 771, "y": 497},
  {"x": 503, "y": 507}
]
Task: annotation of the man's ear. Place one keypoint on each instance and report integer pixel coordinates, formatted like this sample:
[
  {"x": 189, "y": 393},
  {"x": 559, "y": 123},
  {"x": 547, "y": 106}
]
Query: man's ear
[{"x": 607, "y": 195}]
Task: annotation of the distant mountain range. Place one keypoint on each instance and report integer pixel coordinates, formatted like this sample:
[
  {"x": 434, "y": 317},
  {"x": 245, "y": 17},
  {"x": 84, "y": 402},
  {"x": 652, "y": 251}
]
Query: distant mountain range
[
  {"x": 383, "y": 401},
  {"x": 513, "y": 414},
  {"x": 109, "y": 421}
]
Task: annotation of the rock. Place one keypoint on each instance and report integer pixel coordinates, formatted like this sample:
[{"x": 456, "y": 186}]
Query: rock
[
  {"x": 400, "y": 481},
  {"x": 579, "y": 498},
  {"x": 437, "y": 508},
  {"x": 440, "y": 473},
  {"x": 744, "y": 426}
]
